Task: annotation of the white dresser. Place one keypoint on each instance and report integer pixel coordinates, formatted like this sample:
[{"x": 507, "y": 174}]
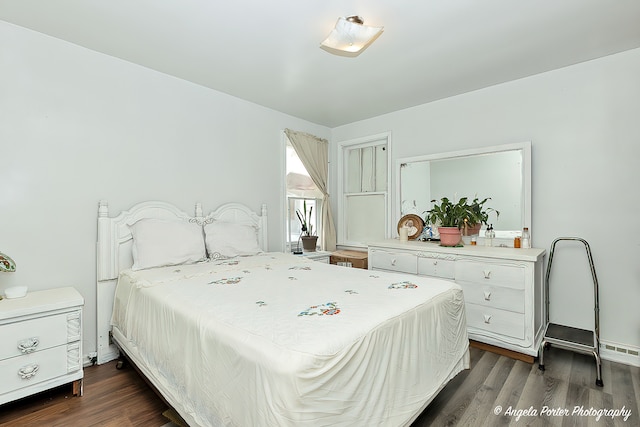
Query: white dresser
[
  {"x": 40, "y": 343},
  {"x": 503, "y": 287}
]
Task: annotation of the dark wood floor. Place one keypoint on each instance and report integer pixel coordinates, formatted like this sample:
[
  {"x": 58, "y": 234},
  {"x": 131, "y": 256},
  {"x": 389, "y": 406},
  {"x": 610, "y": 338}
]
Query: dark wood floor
[{"x": 121, "y": 398}]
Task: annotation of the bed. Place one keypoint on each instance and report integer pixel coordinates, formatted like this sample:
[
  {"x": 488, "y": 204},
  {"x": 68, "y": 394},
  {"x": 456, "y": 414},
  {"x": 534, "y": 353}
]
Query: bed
[{"x": 240, "y": 336}]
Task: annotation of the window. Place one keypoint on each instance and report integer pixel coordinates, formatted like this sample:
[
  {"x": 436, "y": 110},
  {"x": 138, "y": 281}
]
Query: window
[
  {"x": 364, "y": 199},
  {"x": 300, "y": 190}
]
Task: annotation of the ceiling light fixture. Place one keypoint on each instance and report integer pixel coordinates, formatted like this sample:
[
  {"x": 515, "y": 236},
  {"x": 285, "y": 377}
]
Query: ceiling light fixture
[{"x": 350, "y": 37}]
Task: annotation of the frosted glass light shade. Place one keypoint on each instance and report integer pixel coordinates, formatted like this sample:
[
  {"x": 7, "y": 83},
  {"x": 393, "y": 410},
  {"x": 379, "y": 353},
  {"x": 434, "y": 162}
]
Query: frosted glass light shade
[
  {"x": 350, "y": 36},
  {"x": 6, "y": 263}
]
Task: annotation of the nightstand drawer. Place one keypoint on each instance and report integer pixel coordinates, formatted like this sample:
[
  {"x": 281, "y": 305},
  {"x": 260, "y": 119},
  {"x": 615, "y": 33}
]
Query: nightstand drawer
[
  {"x": 22, "y": 371},
  {"x": 39, "y": 334}
]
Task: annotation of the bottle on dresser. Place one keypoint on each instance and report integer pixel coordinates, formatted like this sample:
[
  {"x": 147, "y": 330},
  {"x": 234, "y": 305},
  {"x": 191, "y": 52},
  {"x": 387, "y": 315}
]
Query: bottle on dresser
[
  {"x": 489, "y": 235},
  {"x": 526, "y": 238}
]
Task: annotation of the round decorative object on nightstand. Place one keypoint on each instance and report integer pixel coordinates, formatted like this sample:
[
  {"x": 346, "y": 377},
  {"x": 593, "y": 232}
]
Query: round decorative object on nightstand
[{"x": 15, "y": 292}]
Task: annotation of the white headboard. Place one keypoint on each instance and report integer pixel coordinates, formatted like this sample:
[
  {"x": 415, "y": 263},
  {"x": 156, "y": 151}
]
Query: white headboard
[{"x": 114, "y": 247}]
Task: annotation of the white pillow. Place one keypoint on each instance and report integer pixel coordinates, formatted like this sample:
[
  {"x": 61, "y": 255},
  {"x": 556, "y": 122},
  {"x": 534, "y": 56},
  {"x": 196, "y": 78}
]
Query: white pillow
[
  {"x": 158, "y": 243},
  {"x": 227, "y": 239}
]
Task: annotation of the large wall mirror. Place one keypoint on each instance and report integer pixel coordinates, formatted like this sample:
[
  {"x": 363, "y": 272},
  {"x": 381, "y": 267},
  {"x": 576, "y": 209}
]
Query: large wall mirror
[{"x": 502, "y": 173}]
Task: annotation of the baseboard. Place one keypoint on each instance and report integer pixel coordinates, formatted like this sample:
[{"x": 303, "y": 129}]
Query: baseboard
[
  {"x": 620, "y": 353},
  {"x": 502, "y": 351},
  {"x": 613, "y": 352}
]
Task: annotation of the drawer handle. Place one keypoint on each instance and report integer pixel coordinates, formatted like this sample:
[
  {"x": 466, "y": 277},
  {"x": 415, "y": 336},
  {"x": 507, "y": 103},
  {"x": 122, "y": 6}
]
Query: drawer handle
[
  {"x": 487, "y": 296},
  {"x": 28, "y": 371},
  {"x": 29, "y": 345},
  {"x": 487, "y": 274},
  {"x": 393, "y": 262},
  {"x": 487, "y": 318}
]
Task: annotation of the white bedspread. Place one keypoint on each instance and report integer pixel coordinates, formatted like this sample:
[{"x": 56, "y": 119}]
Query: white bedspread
[{"x": 278, "y": 340}]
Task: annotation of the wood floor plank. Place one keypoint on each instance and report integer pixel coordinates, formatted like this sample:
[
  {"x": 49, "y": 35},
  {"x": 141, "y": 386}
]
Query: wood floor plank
[
  {"x": 625, "y": 392},
  {"x": 635, "y": 380},
  {"x": 483, "y": 404},
  {"x": 606, "y": 377},
  {"x": 449, "y": 412},
  {"x": 578, "y": 395},
  {"x": 510, "y": 394},
  {"x": 558, "y": 363},
  {"x": 583, "y": 370},
  {"x": 541, "y": 391},
  {"x": 600, "y": 400}
]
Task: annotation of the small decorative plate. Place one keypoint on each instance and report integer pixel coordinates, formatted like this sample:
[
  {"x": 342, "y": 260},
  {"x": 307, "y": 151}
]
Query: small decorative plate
[{"x": 414, "y": 223}]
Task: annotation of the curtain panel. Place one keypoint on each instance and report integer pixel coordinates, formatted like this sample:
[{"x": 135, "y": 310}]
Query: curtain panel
[{"x": 314, "y": 155}]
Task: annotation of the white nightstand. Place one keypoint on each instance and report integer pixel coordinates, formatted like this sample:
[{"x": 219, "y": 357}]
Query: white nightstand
[
  {"x": 320, "y": 256},
  {"x": 40, "y": 343}
]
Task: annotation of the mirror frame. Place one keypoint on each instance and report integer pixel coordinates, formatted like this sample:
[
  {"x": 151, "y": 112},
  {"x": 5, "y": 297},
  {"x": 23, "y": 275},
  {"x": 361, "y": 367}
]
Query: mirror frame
[{"x": 524, "y": 147}]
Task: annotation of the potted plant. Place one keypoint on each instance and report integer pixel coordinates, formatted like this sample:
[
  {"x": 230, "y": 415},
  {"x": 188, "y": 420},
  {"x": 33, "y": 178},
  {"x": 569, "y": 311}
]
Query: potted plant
[
  {"x": 309, "y": 239},
  {"x": 448, "y": 217},
  {"x": 477, "y": 215},
  {"x": 451, "y": 218}
]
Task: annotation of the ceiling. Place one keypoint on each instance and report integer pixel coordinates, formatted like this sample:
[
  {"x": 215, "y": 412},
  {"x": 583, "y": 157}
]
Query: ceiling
[{"x": 267, "y": 52}]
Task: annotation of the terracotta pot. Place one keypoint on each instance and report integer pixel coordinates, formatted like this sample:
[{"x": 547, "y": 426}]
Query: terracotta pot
[
  {"x": 309, "y": 243},
  {"x": 450, "y": 236},
  {"x": 470, "y": 231}
]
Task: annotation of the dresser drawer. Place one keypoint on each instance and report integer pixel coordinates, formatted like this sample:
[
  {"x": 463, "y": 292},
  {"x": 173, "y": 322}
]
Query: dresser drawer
[
  {"x": 394, "y": 261},
  {"x": 39, "y": 334},
  {"x": 443, "y": 268},
  {"x": 512, "y": 276},
  {"x": 494, "y": 296},
  {"x": 26, "y": 370},
  {"x": 497, "y": 321}
]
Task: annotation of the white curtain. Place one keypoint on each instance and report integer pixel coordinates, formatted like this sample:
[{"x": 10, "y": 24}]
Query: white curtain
[{"x": 314, "y": 155}]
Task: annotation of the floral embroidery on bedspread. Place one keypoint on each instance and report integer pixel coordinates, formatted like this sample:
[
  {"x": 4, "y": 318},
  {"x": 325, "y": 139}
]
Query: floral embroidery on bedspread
[
  {"x": 219, "y": 259},
  {"x": 326, "y": 309},
  {"x": 226, "y": 281},
  {"x": 403, "y": 285}
]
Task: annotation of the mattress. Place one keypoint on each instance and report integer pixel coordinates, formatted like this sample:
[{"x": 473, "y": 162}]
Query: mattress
[{"x": 279, "y": 340}]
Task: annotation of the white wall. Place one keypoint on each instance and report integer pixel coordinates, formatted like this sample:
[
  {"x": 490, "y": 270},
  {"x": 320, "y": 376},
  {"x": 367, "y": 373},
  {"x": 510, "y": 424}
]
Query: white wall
[
  {"x": 77, "y": 127},
  {"x": 584, "y": 125}
]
